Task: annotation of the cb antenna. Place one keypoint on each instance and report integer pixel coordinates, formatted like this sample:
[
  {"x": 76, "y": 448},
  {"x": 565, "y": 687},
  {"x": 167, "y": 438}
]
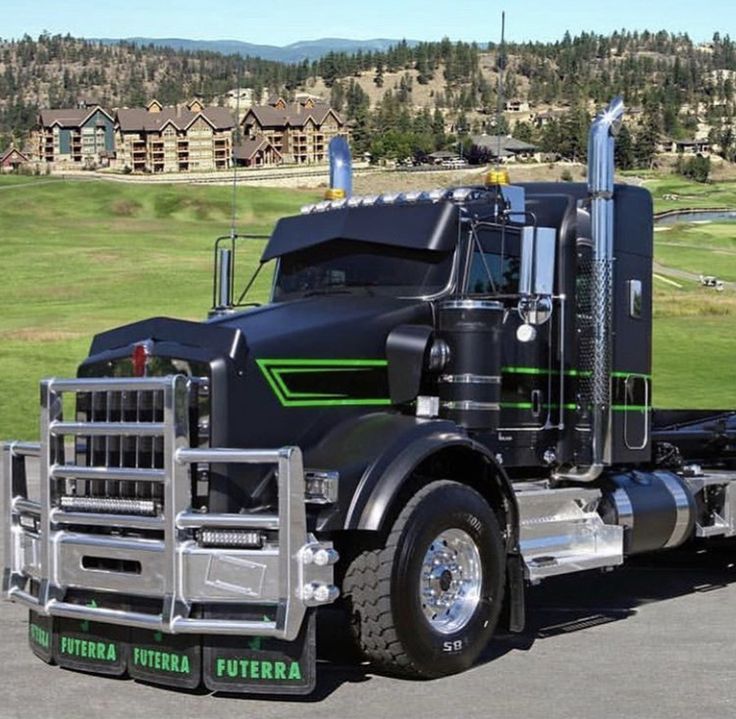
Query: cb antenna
[
  {"x": 501, "y": 62},
  {"x": 236, "y": 143}
]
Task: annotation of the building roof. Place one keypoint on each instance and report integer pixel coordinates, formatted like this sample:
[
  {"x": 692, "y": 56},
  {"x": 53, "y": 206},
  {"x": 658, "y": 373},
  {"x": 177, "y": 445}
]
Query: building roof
[
  {"x": 250, "y": 147},
  {"x": 13, "y": 151},
  {"x": 70, "y": 117},
  {"x": 692, "y": 142},
  {"x": 294, "y": 115},
  {"x": 509, "y": 144},
  {"x": 137, "y": 119},
  {"x": 443, "y": 155}
]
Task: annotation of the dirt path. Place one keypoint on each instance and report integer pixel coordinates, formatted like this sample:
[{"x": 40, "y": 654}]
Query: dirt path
[{"x": 657, "y": 268}]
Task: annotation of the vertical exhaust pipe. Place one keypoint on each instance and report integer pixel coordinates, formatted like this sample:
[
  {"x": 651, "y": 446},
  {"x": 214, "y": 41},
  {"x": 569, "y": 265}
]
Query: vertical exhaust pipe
[
  {"x": 601, "y": 140},
  {"x": 341, "y": 169},
  {"x": 225, "y": 276}
]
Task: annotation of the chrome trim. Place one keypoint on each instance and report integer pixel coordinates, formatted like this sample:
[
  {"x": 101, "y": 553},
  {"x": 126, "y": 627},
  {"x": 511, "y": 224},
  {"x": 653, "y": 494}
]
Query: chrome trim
[
  {"x": 472, "y": 305},
  {"x": 115, "y": 474},
  {"x": 470, "y": 378},
  {"x": 94, "y": 519},
  {"x": 188, "y": 520},
  {"x": 624, "y": 508},
  {"x": 107, "y": 384},
  {"x": 450, "y": 581},
  {"x": 471, "y": 405},
  {"x": 25, "y": 506},
  {"x": 173, "y": 568},
  {"x": 683, "y": 507},
  {"x": 647, "y": 414},
  {"x": 24, "y": 449},
  {"x": 107, "y": 429}
]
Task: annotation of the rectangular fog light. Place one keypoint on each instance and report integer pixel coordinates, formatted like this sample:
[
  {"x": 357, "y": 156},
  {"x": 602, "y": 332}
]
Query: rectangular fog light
[{"x": 321, "y": 487}]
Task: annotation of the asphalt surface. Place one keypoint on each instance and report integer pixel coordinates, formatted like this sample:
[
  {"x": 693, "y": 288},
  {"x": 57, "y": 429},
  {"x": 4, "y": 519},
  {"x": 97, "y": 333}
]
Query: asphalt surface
[{"x": 654, "y": 639}]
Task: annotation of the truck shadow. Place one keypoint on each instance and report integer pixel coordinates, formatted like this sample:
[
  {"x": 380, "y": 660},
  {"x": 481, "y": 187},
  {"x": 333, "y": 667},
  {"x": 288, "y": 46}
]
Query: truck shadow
[
  {"x": 559, "y": 606},
  {"x": 568, "y": 604}
]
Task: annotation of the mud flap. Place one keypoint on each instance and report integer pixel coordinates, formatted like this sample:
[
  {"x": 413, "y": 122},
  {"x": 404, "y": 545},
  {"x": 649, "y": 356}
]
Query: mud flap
[
  {"x": 259, "y": 665},
  {"x": 90, "y": 646},
  {"x": 41, "y": 636},
  {"x": 173, "y": 660}
]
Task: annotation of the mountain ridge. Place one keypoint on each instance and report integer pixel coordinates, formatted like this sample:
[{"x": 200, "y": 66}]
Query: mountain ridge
[{"x": 293, "y": 52}]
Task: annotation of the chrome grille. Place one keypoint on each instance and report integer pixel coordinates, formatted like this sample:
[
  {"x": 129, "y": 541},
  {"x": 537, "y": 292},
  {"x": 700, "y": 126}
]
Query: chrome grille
[{"x": 122, "y": 451}]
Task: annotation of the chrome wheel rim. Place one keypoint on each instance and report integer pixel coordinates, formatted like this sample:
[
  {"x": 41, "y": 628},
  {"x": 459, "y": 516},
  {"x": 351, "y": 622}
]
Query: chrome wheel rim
[{"x": 450, "y": 581}]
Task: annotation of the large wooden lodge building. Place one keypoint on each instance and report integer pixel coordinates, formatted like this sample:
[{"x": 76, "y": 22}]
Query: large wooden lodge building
[{"x": 194, "y": 137}]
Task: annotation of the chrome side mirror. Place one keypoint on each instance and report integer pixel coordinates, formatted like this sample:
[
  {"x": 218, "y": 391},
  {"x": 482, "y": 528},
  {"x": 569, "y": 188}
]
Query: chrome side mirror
[
  {"x": 537, "y": 260},
  {"x": 537, "y": 274},
  {"x": 535, "y": 310}
]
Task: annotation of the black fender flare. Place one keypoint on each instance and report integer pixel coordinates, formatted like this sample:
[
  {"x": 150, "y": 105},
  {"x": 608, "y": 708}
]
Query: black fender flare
[
  {"x": 382, "y": 482},
  {"x": 376, "y": 454}
]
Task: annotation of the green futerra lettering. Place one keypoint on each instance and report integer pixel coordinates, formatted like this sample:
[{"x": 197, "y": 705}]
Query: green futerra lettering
[
  {"x": 260, "y": 669},
  {"x": 88, "y": 649},
  {"x": 163, "y": 661},
  {"x": 39, "y": 636}
]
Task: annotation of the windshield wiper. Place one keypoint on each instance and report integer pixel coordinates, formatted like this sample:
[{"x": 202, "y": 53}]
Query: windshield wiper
[
  {"x": 343, "y": 289},
  {"x": 327, "y": 291}
]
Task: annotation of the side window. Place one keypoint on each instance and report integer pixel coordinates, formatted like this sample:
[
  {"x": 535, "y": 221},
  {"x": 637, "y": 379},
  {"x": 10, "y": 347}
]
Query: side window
[{"x": 494, "y": 264}]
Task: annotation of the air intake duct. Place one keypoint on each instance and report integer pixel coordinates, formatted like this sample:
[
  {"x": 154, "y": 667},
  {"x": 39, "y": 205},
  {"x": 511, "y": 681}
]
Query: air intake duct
[{"x": 469, "y": 387}]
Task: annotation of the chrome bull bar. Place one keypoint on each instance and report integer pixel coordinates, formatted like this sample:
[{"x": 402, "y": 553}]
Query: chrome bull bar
[{"x": 43, "y": 551}]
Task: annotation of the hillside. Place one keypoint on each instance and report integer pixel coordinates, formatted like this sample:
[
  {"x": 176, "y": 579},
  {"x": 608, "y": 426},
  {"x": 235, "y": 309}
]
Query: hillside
[{"x": 410, "y": 97}]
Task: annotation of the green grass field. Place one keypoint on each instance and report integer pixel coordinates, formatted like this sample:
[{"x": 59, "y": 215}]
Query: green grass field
[
  {"x": 672, "y": 192},
  {"x": 84, "y": 256}
]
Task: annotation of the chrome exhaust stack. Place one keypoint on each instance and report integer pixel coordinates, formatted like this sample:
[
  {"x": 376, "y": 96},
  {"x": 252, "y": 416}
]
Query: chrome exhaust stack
[
  {"x": 341, "y": 169},
  {"x": 601, "y": 142}
]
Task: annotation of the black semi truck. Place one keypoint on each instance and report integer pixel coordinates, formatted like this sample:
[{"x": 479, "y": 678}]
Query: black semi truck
[{"x": 447, "y": 397}]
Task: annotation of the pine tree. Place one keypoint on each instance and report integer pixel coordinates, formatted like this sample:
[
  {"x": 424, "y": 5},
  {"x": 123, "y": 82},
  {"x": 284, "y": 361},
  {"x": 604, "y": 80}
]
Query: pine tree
[{"x": 624, "y": 149}]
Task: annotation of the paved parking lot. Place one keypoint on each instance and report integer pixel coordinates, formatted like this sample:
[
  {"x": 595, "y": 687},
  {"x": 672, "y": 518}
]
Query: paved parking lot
[{"x": 655, "y": 639}]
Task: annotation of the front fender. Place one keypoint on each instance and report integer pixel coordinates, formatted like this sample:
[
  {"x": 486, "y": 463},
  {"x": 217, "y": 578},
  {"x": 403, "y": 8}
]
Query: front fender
[{"x": 376, "y": 454}]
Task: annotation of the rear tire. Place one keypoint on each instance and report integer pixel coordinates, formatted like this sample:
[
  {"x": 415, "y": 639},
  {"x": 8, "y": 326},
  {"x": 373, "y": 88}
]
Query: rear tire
[{"x": 426, "y": 603}]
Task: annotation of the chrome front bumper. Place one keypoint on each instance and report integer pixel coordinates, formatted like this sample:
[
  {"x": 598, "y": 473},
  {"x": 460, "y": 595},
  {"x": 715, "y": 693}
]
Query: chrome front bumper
[{"x": 50, "y": 550}]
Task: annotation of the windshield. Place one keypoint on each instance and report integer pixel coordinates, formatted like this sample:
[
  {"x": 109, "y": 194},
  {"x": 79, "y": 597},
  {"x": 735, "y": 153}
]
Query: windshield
[{"x": 347, "y": 266}]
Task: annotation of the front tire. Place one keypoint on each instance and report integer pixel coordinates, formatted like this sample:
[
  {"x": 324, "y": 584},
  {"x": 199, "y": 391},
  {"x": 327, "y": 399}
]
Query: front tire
[{"x": 427, "y": 602}]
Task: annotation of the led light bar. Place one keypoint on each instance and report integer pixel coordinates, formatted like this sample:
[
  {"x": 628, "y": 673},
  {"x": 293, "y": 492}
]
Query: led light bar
[
  {"x": 145, "y": 507},
  {"x": 230, "y": 538},
  {"x": 438, "y": 194}
]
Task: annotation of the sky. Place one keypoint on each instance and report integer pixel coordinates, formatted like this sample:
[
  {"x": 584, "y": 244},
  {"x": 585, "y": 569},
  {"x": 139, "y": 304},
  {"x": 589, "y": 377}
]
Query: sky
[{"x": 287, "y": 21}]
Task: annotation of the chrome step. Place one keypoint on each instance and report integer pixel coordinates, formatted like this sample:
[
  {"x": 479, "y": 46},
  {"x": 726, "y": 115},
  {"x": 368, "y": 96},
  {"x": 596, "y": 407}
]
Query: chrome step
[
  {"x": 717, "y": 490},
  {"x": 561, "y": 532}
]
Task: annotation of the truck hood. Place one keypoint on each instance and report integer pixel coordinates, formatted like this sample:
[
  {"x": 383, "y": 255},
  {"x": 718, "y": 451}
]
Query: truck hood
[{"x": 326, "y": 326}]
